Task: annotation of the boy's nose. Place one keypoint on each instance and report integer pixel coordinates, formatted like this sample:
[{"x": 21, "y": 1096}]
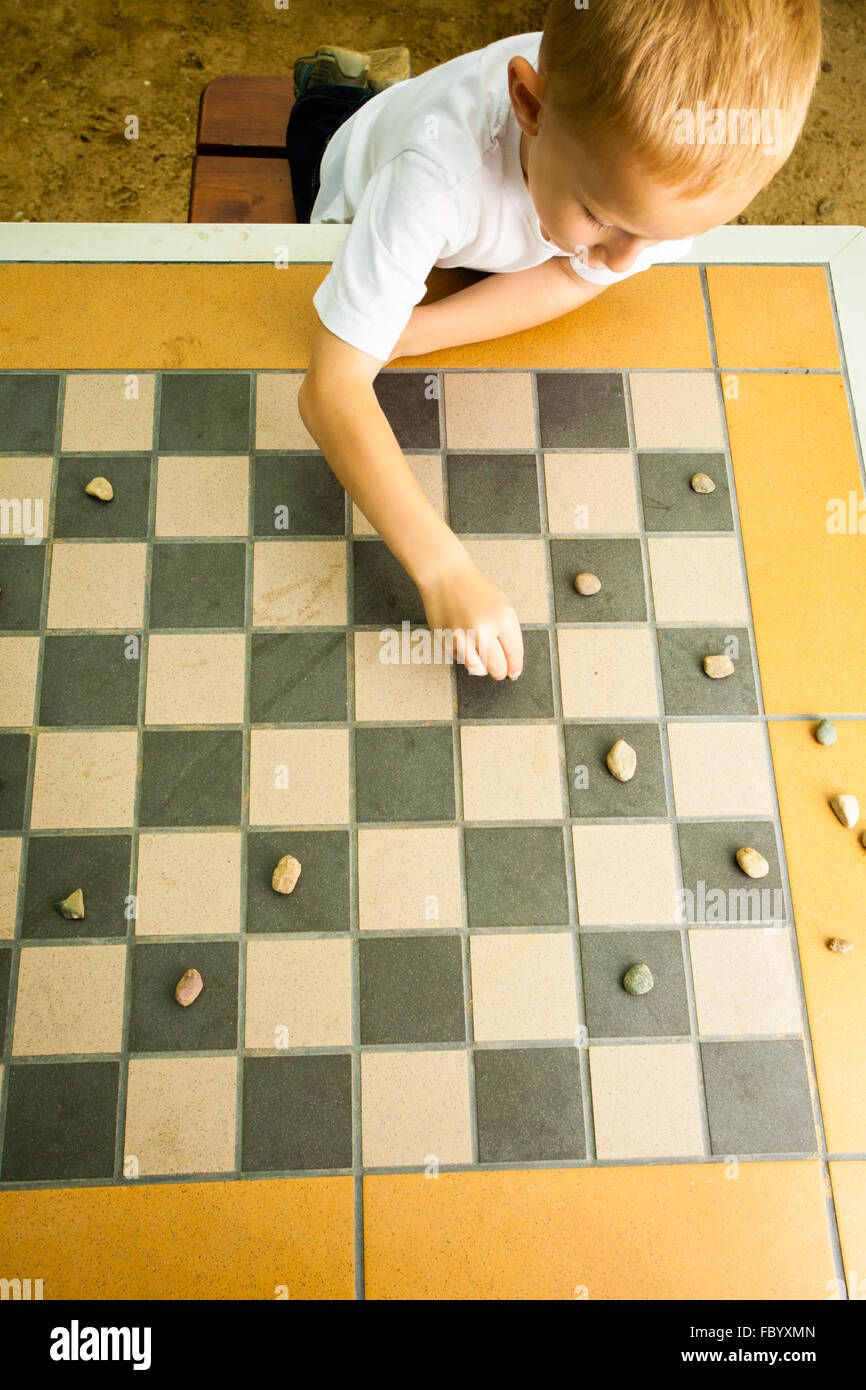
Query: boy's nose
[{"x": 619, "y": 258}]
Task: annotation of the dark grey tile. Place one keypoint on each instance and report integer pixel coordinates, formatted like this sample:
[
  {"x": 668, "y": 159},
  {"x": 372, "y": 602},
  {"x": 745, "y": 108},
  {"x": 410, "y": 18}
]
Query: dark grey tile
[
  {"x": 383, "y": 593},
  {"x": 619, "y": 566},
  {"x": 686, "y": 687},
  {"x": 28, "y": 412},
  {"x": 529, "y": 697},
  {"x": 404, "y": 773},
  {"x": 297, "y": 1113},
  {"x": 191, "y": 777},
  {"x": 158, "y": 1023},
  {"x": 297, "y": 495},
  {"x": 56, "y": 865},
  {"x": 297, "y": 676},
  {"x": 410, "y": 402},
  {"x": 493, "y": 493},
  {"x": 758, "y": 1099},
  {"x": 515, "y": 876},
  {"x": 125, "y": 517},
  {"x": 411, "y": 990},
  {"x": 22, "y": 569},
  {"x": 718, "y": 893},
  {"x": 593, "y": 790},
  {"x": 670, "y": 503},
  {"x": 60, "y": 1121},
  {"x": 611, "y": 1012},
  {"x": 320, "y": 901},
  {"x": 207, "y": 412},
  {"x": 88, "y": 680},
  {"x": 582, "y": 410},
  {"x": 529, "y": 1105},
  {"x": 198, "y": 584}
]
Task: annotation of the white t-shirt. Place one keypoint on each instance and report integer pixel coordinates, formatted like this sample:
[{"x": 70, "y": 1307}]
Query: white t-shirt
[{"x": 428, "y": 172}]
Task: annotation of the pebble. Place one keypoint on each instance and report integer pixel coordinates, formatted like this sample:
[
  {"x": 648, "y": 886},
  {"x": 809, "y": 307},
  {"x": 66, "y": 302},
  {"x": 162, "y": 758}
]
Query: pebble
[
  {"x": 826, "y": 66},
  {"x": 826, "y": 205},
  {"x": 587, "y": 583},
  {"x": 717, "y": 667},
  {"x": 742, "y": 219},
  {"x": 72, "y": 908},
  {"x": 622, "y": 761},
  {"x": 101, "y": 488},
  {"x": 825, "y": 732},
  {"x": 847, "y": 809},
  {"x": 752, "y": 863},
  {"x": 638, "y": 979},
  {"x": 840, "y": 945},
  {"x": 702, "y": 482},
  {"x": 286, "y": 874},
  {"x": 189, "y": 987}
]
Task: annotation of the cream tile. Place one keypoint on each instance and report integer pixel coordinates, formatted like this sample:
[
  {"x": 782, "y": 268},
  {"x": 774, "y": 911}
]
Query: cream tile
[
  {"x": 202, "y": 496},
  {"x": 299, "y": 994},
  {"x": 489, "y": 410},
  {"x": 720, "y": 769},
  {"x": 84, "y": 780},
  {"x": 589, "y": 493},
  {"x": 180, "y": 1114},
  {"x": 26, "y": 486},
  {"x": 19, "y": 663},
  {"x": 188, "y": 883},
  {"x": 70, "y": 999},
  {"x": 278, "y": 423},
  {"x": 607, "y": 672},
  {"x": 195, "y": 678},
  {"x": 10, "y": 869},
  {"x": 108, "y": 411},
  {"x": 519, "y": 568},
  {"x": 523, "y": 986},
  {"x": 625, "y": 874},
  {"x": 299, "y": 583},
  {"x": 745, "y": 981},
  {"x": 97, "y": 584},
  {"x": 511, "y": 772},
  {"x": 415, "y": 1109},
  {"x": 384, "y": 690},
  {"x": 697, "y": 579},
  {"x": 676, "y": 410},
  {"x": 299, "y": 777},
  {"x": 427, "y": 469},
  {"x": 408, "y": 878},
  {"x": 645, "y": 1101}
]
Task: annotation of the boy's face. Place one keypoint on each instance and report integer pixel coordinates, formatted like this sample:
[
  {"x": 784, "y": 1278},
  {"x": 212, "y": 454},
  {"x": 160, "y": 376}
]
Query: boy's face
[{"x": 590, "y": 193}]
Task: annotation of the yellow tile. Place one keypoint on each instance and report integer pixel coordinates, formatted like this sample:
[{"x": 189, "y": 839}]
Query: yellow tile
[
  {"x": 70, "y": 999},
  {"x": 202, "y": 496},
  {"x": 26, "y": 485},
  {"x": 721, "y": 769},
  {"x": 278, "y": 423},
  {"x": 408, "y": 878},
  {"x": 645, "y": 1101},
  {"x": 180, "y": 1115},
  {"x": 697, "y": 579},
  {"x": 298, "y": 994},
  {"x": 84, "y": 780},
  {"x": 299, "y": 777},
  {"x": 19, "y": 662},
  {"x": 607, "y": 673},
  {"x": 625, "y": 873},
  {"x": 427, "y": 472},
  {"x": 398, "y": 690},
  {"x": 97, "y": 585},
  {"x": 849, "y": 1196},
  {"x": 793, "y": 453},
  {"x": 188, "y": 883},
  {"x": 195, "y": 678},
  {"x": 250, "y": 313},
  {"x": 519, "y": 568},
  {"x": 590, "y": 492},
  {"x": 108, "y": 412},
  {"x": 676, "y": 410},
  {"x": 511, "y": 772},
  {"x": 793, "y": 326},
  {"x": 489, "y": 410},
  {"x": 124, "y": 1242},
  {"x": 10, "y": 869},
  {"x": 299, "y": 583},
  {"x": 745, "y": 981},
  {"x": 523, "y": 986},
  {"x": 415, "y": 1108},
  {"x": 826, "y": 864},
  {"x": 679, "y": 1231}
]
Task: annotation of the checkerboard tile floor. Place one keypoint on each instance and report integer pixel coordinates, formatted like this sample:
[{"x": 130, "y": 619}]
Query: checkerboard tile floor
[{"x": 191, "y": 685}]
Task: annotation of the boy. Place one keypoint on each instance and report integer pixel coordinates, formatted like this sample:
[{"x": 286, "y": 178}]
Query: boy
[{"x": 561, "y": 162}]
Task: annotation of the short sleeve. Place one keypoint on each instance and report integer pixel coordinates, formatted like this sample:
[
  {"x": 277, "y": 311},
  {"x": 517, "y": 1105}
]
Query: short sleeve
[
  {"x": 650, "y": 255},
  {"x": 409, "y": 216}
]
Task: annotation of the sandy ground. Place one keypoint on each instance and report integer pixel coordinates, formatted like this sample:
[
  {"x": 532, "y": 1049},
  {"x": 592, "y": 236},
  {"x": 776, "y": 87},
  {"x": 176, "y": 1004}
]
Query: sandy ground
[{"x": 71, "y": 74}]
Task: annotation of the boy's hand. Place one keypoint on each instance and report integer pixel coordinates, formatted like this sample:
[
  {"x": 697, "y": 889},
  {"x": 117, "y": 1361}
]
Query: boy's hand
[{"x": 486, "y": 633}]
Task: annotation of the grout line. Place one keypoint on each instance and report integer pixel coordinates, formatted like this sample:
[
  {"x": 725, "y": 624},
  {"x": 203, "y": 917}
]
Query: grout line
[{"x": 354, "y": 921}]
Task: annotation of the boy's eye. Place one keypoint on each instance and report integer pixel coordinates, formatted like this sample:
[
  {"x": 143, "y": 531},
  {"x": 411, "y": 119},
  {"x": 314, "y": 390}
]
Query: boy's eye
[{"x": 604, "y": 226}]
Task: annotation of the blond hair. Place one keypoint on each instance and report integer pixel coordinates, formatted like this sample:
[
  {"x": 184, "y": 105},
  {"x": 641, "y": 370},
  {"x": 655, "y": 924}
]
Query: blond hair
[{"x": 693, "y": 86}]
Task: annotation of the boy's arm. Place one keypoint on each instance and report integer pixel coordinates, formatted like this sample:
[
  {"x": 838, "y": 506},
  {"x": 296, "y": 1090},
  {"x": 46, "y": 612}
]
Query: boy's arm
[
  {"x": 338, "y": 405},
  {"x": 495, "y": 306}
]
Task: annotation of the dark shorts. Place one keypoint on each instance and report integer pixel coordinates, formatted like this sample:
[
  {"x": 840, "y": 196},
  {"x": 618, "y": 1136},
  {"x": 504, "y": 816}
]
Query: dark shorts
[{"x": 313, "y": 119}]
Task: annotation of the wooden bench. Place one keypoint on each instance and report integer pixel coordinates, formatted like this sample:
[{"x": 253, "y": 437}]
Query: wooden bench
[{"x": 241, "y": 172}]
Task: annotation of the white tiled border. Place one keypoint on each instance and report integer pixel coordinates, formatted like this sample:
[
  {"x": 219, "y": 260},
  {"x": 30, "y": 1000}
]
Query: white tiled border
[{"x": 842, "y": 249}]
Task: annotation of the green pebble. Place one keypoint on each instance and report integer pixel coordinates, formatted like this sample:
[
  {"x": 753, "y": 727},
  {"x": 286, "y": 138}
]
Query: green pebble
[
  {"x": 826, "y": 732},
  {"x": 826, "y": 205},
  {"x": 72, "y": 908},
  {"x": 638, "y": 980}
]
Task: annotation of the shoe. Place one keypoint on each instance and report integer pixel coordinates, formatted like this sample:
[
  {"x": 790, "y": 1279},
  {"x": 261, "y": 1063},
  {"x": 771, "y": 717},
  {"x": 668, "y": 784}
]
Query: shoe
[
  {"x": 339, "y": 67},
  {"x": 387, "y": 66}
]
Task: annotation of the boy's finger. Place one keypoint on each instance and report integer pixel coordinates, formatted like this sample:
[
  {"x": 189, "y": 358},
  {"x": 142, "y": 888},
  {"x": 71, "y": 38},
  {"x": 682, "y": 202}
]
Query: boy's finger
[
  {"x": 494, "y": 657},
  {"x": 511, "y": 638},
  {"x": 467, "y": 653}
]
